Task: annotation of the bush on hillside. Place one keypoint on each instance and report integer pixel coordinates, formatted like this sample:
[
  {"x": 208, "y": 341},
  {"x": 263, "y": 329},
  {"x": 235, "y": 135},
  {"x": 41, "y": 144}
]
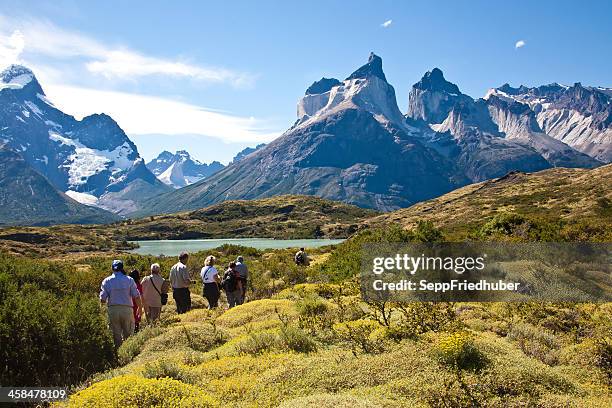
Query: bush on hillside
[
  {"x": 457, "y": 350},
  {"x": 345, "y": 260},
  {"x": 131, "y": 391},
  {"x": 360, "y": 335},
  {"x": 48, "y": 337},
  {"x": 535, "y": 342}
]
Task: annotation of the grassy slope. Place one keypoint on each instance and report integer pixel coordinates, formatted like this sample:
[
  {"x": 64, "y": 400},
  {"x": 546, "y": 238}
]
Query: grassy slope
[
  {"x": 245, "y": 358},
  {"x": 281, "y": 217},
  {"x": 287, "y": 216},
  {"x": 569, "y": 194},
  {"x": 261, "y": 353}
]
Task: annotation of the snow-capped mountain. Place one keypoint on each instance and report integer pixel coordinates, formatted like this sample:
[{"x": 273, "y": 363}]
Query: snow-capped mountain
[
  {"x": 180, "y": 170},
  {"x": 579, "y": 116},
  {"x": 86, "y": 158},
  {"x": 27, "y": 198},
  {"x": 486, "y": 137},
  {"x": 352, "y": 143}
]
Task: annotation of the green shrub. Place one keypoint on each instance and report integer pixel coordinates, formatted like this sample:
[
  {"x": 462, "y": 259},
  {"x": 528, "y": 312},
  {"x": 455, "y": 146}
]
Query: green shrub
[
  {"x": 345, "y": 260},
  {"x": 457, "y": 350},
  {"x": 413, "y": 319},
  {"x": 311, "y": 306},
  {"x": 257, "y": 343},
  {"x": 134, "y": 344},
  {"x": 361, "y": 335},
  {"x": 535, "y": 342},
  {"x": 297, "y": 340},
  {"x": 51, "y": 340},
  {"x": 168, "y": 369},
  {"x": 603, "y": 357}
]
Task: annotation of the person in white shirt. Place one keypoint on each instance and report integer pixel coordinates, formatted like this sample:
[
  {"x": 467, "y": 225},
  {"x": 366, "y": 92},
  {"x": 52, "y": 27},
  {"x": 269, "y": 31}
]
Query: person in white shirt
[
  {"x": 210, "y": 280},
  {"x": 180, "y": 279},
  {"x": 154, "y": 287}
]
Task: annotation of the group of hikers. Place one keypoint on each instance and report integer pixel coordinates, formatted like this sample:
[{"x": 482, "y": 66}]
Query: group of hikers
[{"x": 128, "y": 297}]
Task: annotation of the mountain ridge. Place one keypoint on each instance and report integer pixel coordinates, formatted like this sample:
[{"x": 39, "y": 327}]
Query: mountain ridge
[
  {"x": 87, "y": 158},
  {"x": 180, "y": 169},
  {"x": 445, "y": 140}
]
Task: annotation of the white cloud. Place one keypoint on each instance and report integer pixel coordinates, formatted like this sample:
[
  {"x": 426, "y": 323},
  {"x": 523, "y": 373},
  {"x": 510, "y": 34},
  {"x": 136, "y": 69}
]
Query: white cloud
[
  {"x": 11, "y": 47},
  {"x": 71, "y": 66},
  {"x": 129, "y": 64},
  {"x": 519, "y": 44},
  {"x": 38, "y": 38},
  {"x": 386, "y": 23},
  {"x": 141, "y": 115}
]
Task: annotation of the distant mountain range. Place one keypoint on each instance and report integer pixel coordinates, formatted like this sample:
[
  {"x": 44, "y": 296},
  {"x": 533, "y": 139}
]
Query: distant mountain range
[
  {"x": 351, "y": 142},
  {"x": 180, "y": 170},
  {"x": 91, "y": 160}
]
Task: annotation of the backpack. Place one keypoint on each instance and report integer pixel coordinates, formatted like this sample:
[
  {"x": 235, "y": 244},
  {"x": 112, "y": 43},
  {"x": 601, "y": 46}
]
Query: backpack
[
  {"x": 229, "y": 282},
  {"x": 299, "y": 258}
]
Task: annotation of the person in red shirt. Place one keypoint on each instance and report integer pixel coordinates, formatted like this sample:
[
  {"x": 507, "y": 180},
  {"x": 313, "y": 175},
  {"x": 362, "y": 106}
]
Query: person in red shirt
[{"x": 137, "y": 317}]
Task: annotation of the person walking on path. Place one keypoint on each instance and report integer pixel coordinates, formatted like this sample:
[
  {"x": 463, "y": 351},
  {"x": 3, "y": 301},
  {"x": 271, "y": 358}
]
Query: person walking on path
[
  {"x": 134, "y": 274},
  {"x": 117, "y": 291},
  {"x": 154, "y": 293},
  {"x": 232, "y": 285},
  {"x": 210, "y": 281},
  {"x": 244, "y": 276},
  {"x": 180, "y": 279}
]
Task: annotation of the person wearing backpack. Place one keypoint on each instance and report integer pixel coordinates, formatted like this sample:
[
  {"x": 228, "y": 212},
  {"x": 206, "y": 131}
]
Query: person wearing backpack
[
  {"x": 243, "y": 270},
  {"x": 232, "y": 285},
  {"x": 210, "y": 281},
  {"x": 301, "y": 259},
  {"x": 154, "y": 293}
]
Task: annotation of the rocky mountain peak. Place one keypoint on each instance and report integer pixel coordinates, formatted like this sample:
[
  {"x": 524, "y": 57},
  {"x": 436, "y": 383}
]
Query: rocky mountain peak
[
  {"x": 180, "y": 169},
  {"x": 433, "y": 97},
  {"x": 19, "y": 77},
  {"x": 321, "y": 86},
  {"x": 434, "y": 81},
  {"x": 13, "y": 72},
  {"x": 372, "y": 68}
]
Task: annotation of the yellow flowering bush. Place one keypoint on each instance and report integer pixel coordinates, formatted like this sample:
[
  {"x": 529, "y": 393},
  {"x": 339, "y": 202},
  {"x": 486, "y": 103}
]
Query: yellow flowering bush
[
  {"x": 360, "y": 334},
  {"x": 458, "y": 350},
  {"x": 256, "y": 311},
  {"x": 131, "y": 391}
]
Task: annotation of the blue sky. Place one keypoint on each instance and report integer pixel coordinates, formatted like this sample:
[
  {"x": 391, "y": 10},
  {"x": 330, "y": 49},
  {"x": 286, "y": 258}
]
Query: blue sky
[{"x": 214, "y": 77}]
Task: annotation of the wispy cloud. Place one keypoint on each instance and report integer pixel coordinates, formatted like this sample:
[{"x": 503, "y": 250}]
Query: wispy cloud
[
  {"x": 11, "y": 47},
  {"x": 387, "y": 23},
  {"x": 519, "y": 44},
  {"x": 39, "y": 38},
  {"x": 142, "y": 115},
  {"x": 72, "y": 66}
]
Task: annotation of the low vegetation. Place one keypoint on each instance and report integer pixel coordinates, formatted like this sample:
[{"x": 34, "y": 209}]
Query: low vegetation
[
  {"x": 283, "y": 217},
  {"x": 306, "y": 338}
]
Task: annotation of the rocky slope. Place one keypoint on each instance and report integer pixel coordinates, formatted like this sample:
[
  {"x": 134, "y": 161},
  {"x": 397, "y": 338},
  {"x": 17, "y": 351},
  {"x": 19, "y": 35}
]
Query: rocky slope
[
  {"x": 179, "y": 169},
  {"x": 352, "y": 143},
  {"x": 577, "y": 115},
  {"x": 86, "y": 158},
  {"x": 27, "y": 198},
  {"x": 487, "y": 137},
  {"x": 329, "y": 153}
]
